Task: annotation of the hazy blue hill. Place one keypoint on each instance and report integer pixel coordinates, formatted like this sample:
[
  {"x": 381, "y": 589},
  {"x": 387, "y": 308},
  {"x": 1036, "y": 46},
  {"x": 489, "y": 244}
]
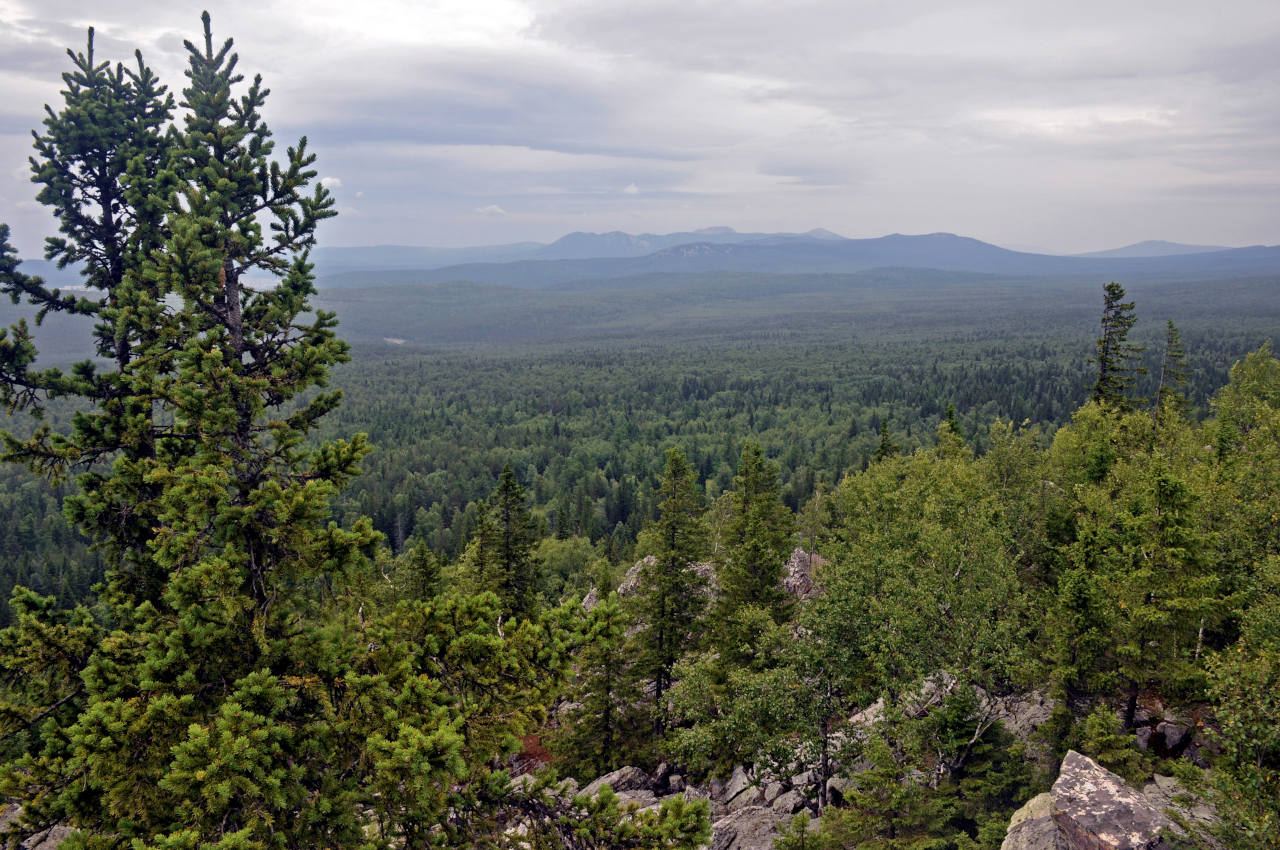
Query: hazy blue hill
[
  {"x": 586, "y": 246},
  {"x": 1155, "y": 248},
  {"x": 332, "y": 261},
  {"x": 803, "y": 254}
]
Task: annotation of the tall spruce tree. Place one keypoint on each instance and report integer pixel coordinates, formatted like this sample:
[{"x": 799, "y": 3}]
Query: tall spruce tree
[
  {"x": 1171, "y": 389},
  {"x": 1116, "y": 356},
  {"x": 758, "y": 539},
  {"x": 518, "y": 585},
  {"x": 672, "y": 596}
]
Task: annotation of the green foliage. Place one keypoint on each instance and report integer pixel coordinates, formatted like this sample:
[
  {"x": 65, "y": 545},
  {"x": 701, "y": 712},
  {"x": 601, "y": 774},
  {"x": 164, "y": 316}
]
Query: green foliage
[
  {"x": 1245, "y": 685},
  {"x": 757, "y": 540},
  {"x": 1102, "y": 737},
  {"x": 669, "y": 603},
  {"x": 1115, "y": 356},
  {"x": 269, "y": 686},
  {"x": 1171, "y": 392},
  {"x": 599, "y": 733}
]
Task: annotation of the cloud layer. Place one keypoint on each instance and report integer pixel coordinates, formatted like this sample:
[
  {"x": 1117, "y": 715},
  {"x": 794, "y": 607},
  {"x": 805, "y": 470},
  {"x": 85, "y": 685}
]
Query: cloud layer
[{"x": 1058, "y": 126}]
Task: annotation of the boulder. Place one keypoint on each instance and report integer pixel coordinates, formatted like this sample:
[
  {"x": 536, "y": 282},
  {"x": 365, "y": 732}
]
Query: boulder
[
  {"x": 640, "y": 799},
  {"x": 739, "y": 781},
  {"x": 1023, "y": 714},
  {"x": 1167, "y": 793},
  {"x": 1032, "y": 827},
  {"x": 798, "y": 573},
  {"x": 1097, "y": 810},
  {"x": 748, "y": 828},
  {"x": 623, "y": 779},
  {"x": 49, "y": 839},
  {"x": 1143, "y": 735},
  {"x": 1175, "y": 737},
  {"x": 1091, "y": 808},
  {"x": 789, "y": 803}
]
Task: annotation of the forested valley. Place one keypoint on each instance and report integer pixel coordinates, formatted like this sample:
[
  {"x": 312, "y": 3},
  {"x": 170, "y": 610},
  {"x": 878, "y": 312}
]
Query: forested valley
[{"x": 816, "y": 532}]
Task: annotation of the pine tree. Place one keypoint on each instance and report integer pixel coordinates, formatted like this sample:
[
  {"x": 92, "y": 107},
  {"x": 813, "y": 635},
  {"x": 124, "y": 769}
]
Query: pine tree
[
  {"x": 1115, "y": 356},
  {"x": 671, "y": 598},
  {"x": 101, "y": 163},
  {"x": 242, "y": 693},
  {"x": 212, "y": 514}
]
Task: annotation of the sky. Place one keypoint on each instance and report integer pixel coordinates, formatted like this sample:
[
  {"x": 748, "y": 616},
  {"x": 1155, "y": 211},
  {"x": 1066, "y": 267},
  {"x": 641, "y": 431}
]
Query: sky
[{"x": 1049, "y": 126}]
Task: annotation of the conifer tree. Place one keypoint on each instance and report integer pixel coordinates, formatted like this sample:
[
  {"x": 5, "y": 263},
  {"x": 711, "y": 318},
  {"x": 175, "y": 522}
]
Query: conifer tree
[
  {"x": 1171, "y": 389},
  {"x": 886, "y": 447},
  {"x": 515, "y": 536},
  {"x": 102, "y": 166},
  {"x": 598, "y": 733},
  {"x": 241, "y": 693},
  {"x": 671, "y": 598},
  {"x": 1116, "y": 356},
  {"x": 758, "y": 540}
]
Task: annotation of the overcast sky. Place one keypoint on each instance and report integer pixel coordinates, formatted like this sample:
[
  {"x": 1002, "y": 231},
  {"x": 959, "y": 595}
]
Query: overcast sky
[{"x": 1044, "y": 125}]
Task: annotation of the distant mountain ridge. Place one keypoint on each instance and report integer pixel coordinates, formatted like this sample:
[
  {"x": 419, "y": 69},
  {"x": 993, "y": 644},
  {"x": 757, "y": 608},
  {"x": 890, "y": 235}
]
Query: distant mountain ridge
[
  {"x": 808, "y": 254},
  {"x": 1155, "y": 248},
  {"x": 578, "y": 245}
]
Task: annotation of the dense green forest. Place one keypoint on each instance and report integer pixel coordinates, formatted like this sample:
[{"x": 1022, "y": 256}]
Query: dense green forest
[
  {"x": 584, "y": 413},
  {"x": 283, "y": 650}
]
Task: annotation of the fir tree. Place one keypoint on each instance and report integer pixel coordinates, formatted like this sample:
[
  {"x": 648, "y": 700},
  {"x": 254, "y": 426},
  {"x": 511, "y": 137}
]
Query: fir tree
[{"x": 1116, "y": 356}]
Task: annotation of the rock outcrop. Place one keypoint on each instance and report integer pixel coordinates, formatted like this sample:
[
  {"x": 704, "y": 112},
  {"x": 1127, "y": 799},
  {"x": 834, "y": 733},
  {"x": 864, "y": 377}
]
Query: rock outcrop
[
  {"x": 797, "y": 577},
  {"x": 1090, "y": 808}
]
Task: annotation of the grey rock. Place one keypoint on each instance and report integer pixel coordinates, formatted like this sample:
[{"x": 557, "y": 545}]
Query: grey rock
[
  {"x": 675, "y": 783},
  {"x": 1097, "y": 810},
  {"x": 639, "y": 799},
  {"x": 1167, "y": 793},
  {"x": 772, "y": 791},
  {"x": 789, "y": 803},
  {"x": 836, "y": 786},
  {"x": 1023, "y": 714},
  {"x": 50, "y": 839},
  {"x": 798, "y": 573},
  {"x": 801, "y": 780},
  {"x": 1144, "y": 738},
  {"x": 1032, "y": 827},
  {"x": 750, "y": 828},
  {"x": 623, "y": 779},
  {"x": 1175, "y": 736},
  {"x": 739, "y": 781}
]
